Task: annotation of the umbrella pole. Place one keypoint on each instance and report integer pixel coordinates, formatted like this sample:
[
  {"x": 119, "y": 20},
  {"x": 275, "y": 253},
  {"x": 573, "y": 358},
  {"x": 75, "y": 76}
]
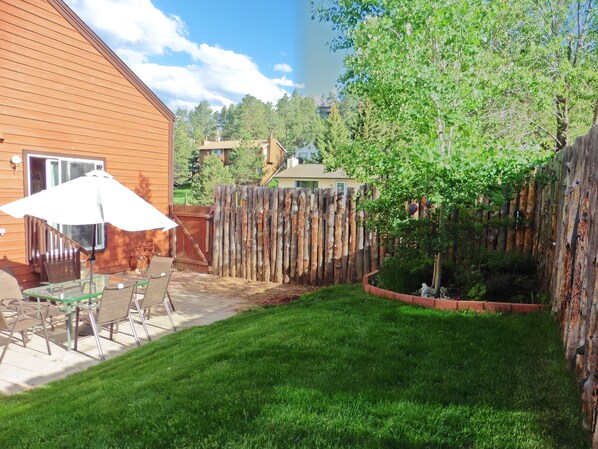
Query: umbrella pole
[{"x": 92, "y": 258}]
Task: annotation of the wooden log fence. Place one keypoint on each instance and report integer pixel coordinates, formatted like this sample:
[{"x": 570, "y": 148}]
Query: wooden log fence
[
  {"x": 292, "y": 235},
  {"x": 565, "y": 243},
  {"x": 320, "y": 237}
]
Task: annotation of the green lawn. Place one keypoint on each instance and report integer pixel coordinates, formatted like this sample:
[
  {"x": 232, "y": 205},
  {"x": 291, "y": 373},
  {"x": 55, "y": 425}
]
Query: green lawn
[
  {"x": 337, "y": 369},
  {"x": 182, "y": 194}
]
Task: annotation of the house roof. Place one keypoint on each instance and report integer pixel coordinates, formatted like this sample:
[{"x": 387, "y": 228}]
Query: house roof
[
  {"x": 107, "y": 52},
  {"x": 311, "y": 171},
  {"x": 229, "y": 144}
]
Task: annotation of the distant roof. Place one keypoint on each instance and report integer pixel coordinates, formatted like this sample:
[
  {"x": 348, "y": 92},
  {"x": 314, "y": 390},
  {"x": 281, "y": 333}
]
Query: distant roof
[
  {"x": 229, "y": 144},
  {"x": 310, "y": 171}
]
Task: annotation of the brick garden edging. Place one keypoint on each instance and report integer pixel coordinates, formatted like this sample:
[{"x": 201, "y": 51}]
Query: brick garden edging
[{"x": 449, "y": 304}]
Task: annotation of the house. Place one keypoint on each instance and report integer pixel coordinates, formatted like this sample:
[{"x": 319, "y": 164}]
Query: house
[
  {"x": 313, "y": 176},
  {"x": 70, "y": 105},
  {"x": 273, "y": 151}
]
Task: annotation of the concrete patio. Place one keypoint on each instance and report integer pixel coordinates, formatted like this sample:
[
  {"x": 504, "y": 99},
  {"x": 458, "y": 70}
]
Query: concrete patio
[{"x": 199, "y": 300}]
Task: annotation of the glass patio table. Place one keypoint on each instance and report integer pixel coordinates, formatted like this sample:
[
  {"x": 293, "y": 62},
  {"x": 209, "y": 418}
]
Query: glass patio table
[{"x": 68, "y": 295}]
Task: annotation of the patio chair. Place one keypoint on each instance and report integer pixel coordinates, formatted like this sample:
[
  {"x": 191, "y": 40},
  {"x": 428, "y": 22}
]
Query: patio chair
[
  {"x": 58, "y": 271},
  {"x": 161, "y": 264},
  {"x": 61, "y": 271},
  {"x": 16, "y": 315},
  {"x": 154, "y": 294},
  {"x": 9, "y": 286},
  {"x": 114, "y": 307}
]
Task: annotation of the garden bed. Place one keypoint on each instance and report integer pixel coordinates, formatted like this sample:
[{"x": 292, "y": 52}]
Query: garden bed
[{"x": 449, "y": 304}]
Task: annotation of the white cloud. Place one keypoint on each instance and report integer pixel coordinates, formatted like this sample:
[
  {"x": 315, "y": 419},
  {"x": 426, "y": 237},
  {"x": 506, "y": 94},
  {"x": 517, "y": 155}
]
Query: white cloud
[
  {"x": 287, "y": 83},
  {"x": 284, "y": 68},
  {"x": 139, "y": 33}
]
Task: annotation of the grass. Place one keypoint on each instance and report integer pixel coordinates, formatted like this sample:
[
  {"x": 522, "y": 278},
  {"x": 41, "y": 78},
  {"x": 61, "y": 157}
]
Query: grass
[
  {"x": 337, "y": 369},
  {"x": 182, "y": 194}
]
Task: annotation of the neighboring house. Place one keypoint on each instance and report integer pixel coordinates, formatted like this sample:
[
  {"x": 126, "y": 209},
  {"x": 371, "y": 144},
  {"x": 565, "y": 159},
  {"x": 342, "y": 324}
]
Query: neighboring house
[
  {"x": 70, "y": 105},
  {"x": 274, "y": 153},
  {"x": 313, "y": 176},
  {"x": 307, "y": 153},
  {"x": 324, "y": 107}
]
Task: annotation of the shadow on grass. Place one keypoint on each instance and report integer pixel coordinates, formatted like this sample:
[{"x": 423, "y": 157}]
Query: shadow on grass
[{"x": 336, "y": 369}]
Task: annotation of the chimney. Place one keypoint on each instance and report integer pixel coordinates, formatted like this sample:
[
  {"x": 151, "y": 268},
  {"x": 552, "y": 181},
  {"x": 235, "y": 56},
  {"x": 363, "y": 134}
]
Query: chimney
[{"x": 292, "y": 162}]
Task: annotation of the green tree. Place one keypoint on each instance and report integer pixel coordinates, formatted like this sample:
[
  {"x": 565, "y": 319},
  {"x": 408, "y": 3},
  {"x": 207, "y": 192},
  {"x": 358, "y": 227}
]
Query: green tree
[
  {"x": 226, "y": 119},
  {"x": 203, "y": 123},
  {"x": 549, "y": 51},
  {"x": 254, "y": 119},
  {"x": 251, "y": 119},
  {"x": 334, "y": 135},
  {"x": 246, "y": 164},
  {"x": 429, "y": 72},
  {"x": 212, "y": 173},
  {"x": 184, "y": 148},
  {"x": 297, "y": 121}
]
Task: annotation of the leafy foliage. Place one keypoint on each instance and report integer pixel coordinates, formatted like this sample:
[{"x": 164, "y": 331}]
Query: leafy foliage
[
  {"x": 203, "y": 123},
  {"x": 213, "y": 172},
  {"x": 297, "y": 121},
  {"x": 185, "y": 148},
  {"x": 429, "y": 76},
  {"x": 246, "y": 164}
]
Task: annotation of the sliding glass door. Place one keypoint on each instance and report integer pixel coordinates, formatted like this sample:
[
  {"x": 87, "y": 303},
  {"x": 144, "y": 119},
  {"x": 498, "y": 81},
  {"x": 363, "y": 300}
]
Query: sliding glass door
[{"x": 46, "y": 172}]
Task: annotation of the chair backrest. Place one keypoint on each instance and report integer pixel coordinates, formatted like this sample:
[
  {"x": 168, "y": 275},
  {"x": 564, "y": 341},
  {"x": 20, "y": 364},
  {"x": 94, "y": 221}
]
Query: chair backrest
[
  {"x": 159, "y": 264},
  {"x": 9, "y": 287},
  {"x": 61, "y": 270},
  {"x": 155, "y": 291},
  {"x": 115, "y": 303}
]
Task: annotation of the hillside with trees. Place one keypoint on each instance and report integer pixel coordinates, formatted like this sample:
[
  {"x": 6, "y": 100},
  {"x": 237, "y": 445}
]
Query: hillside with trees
[{"x": 294, "y": 121}]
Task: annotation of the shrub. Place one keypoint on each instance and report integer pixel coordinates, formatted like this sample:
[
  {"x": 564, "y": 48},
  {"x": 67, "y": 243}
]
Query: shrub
[
  {"x": 404, "y": 274},
  {"x": 477, "y": 292}
]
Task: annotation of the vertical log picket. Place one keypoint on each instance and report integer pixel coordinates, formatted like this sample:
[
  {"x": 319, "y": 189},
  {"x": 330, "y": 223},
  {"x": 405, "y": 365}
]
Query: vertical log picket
[
  {"x": 306, "y": 233},
  {"x": 287, "y": 236},
  {"x": 329, "y": 239},
  {"x": 300, "y": 235},
  {"x": 216, "y": 248},
  {"x": 321, "y": 233},
  {"x": 315, "y": 222},
  {"x": 352, "y": 236},
  {"x": 279, "y": 235},
  {"x": 260, "y": 235},
  {"x": 233, "y": 232},
  {"x": 338, "y": 237}
]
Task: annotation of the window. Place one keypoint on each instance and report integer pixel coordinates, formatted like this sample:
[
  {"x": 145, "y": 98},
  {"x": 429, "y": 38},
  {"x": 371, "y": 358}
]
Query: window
[
  {"x": 45, "y": 172},
  {"x": 340, "y": 187},
  {"x": 307, "y": 184}
]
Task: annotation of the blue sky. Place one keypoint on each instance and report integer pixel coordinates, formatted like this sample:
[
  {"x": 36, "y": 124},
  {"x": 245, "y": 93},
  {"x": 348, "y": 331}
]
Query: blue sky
[{"x": 187, "y": 51}]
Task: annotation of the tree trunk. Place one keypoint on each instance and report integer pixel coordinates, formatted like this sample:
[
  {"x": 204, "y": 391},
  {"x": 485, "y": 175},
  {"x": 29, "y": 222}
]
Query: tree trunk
[
  {"x": 437, "y": 278},
  {"x": 437, "y": 273},
  {"x": 562, "y": 121},
  {"x": 595, "y": 119}
]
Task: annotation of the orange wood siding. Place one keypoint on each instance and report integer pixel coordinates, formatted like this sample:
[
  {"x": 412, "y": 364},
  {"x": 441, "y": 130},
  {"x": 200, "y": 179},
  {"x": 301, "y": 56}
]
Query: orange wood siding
[{"x": 59, "y": 94}]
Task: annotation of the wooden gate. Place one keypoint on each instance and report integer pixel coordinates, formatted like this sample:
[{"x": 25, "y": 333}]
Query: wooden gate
[{"x": 193, "y": 238}]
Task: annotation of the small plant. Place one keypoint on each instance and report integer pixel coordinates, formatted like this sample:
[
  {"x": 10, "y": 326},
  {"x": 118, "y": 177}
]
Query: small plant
[
  {"x": 477, "y": 292},
  {"x": 404, "y": 274}
]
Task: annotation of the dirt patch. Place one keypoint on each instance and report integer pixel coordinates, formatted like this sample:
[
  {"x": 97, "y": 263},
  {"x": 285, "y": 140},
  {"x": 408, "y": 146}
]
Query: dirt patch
[{"x": 247, "y": 293}]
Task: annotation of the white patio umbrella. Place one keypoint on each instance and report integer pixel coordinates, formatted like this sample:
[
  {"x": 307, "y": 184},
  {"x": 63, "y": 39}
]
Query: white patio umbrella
[{"x": 95, "y": 198}]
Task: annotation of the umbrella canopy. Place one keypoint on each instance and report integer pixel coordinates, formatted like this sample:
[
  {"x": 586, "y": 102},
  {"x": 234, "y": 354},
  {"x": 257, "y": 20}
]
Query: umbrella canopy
[{"x": 91, "y": 199}]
